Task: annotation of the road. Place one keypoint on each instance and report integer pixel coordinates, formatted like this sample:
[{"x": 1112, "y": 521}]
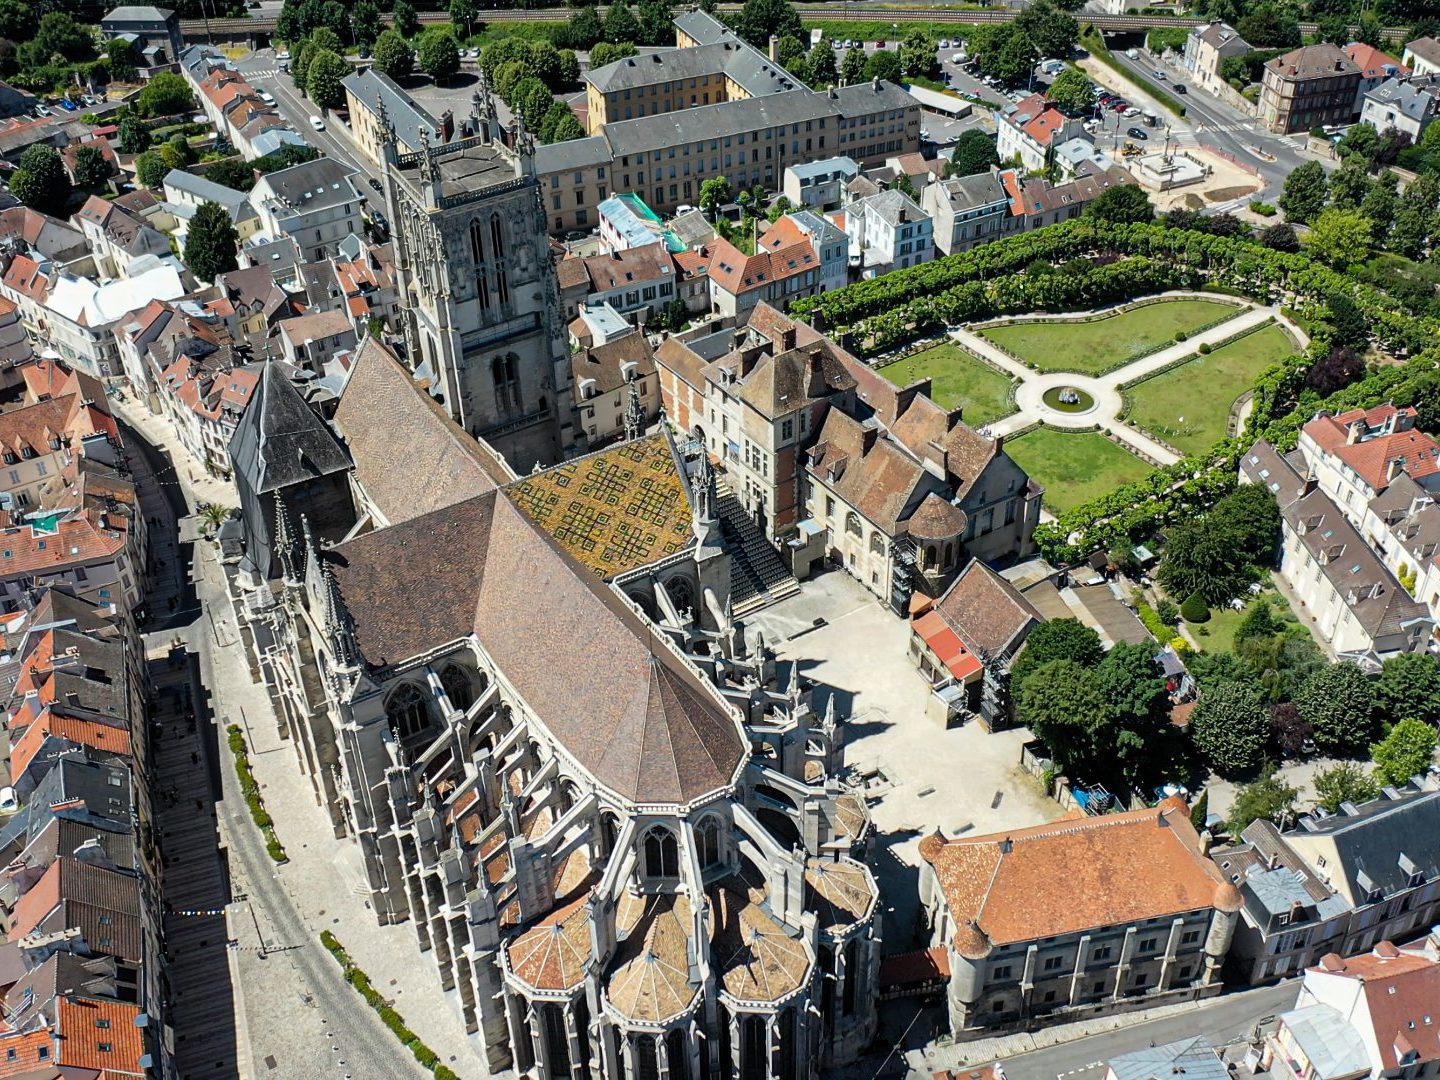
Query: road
[
  {"x": 279, "y": 1008},
  {"x": 1223, "y": 127},
  {"x": 1224, "y": 1021}
]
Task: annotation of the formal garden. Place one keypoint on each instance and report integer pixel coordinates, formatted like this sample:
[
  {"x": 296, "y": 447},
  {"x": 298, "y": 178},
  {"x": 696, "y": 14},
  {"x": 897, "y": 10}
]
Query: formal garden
[
  {"x": 1074, "y": 466},
  {"x": 1096, "y": 345},
  {"x": 1189, "y": 406},
  {"x": 958, "y": 379}
]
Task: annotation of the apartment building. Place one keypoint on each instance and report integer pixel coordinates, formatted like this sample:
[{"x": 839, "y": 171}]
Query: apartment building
[
  {"x": 969, "y": 211},
  {"x": 1030, "y": 129},
  {"x": 888, "y": 232},
  {"x": 819, "y": 185},
  {"x": 1422, "y": 56},
  {"x": 1307, "y": 88},
  {"x": 374, "y": 101},
  {"x": 1206, "y": 50},
  {"x": 1407, "y": 103},
  {"x": 314, "y": 203}
]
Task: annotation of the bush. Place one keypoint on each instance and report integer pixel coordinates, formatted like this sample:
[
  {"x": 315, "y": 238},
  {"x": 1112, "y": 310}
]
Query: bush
[
  {"x": 251, "y": 790},
  {"x": 1168, "y": 612},
  {"x": 1205, "y": 349},
  {"x": 388, "y": 1016},
  {"x": 1194, "y": 609},
  {"x": 1264, "y": 209},
  {"x": 1180, "y": 335}
]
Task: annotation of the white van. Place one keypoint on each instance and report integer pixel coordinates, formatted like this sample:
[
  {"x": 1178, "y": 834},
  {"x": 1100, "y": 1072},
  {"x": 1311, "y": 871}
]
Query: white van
[{"x": 1133, "y": 54}]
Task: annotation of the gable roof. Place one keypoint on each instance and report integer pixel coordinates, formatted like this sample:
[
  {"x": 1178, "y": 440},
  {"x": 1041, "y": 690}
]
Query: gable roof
[
  {"x": 866, "y": 470},
  {"x": 280, "y": 441},
  {"x": 985, "y": 611},
  {"x": 1386, "y": 434},
  {"x": 419, "y": 460},
  {"x": 652, "y": 730}
]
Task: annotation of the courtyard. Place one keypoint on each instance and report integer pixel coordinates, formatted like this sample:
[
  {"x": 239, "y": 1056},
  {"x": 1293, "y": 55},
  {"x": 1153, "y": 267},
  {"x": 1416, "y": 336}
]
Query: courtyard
[
  {"x": 919, "y": 776},
  {"x": 1074, "y": 466},
  {"x": 1095, "y": 346},
  {"x": 1189, "y": 406},
  {"x": 958, "y": 380}
]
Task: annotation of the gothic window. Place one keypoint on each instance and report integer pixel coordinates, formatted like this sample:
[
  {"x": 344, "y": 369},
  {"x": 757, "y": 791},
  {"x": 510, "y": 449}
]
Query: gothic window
[
  {"x": 506, "y": 376},
  {"x": 477, "y": 243},
  {"x": 459, "y": 687},
  {"x": 754, "y": 1048},
  {"x": 482, "y": 288},
  {"x": 497, "y": 236},
  {"x": 407, "y": 712},
  {"x": 949, "y": 554},
  {"x": 851, "y": 977},
  {"x": 852, "y": 523},
  {"x": 662, "y": 854},
  {"x": 502, "y": 285},
  {"x": 647, "y": 1062},
  {"x": 557, "y": 1041},
  {"x": 877, "y": 543},
  {"x": 708, "y": 836},
  {"x": 682, "y": 595},
  {"x": 930, "y": 556},
  {"x": 678, "y": 1054}
]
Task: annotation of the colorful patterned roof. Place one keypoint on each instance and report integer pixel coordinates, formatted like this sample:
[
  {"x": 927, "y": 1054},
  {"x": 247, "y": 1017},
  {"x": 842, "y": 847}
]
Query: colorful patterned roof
[{"x": 614, "y": 510}]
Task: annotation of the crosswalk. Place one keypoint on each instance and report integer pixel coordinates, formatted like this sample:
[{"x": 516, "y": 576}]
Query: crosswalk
[
  {"x": 1231, "y": 128},
  {"x": 263, "y": 73}
]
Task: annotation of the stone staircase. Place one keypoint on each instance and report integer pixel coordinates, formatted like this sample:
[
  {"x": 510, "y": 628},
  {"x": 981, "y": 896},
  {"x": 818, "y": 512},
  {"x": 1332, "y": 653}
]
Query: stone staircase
[{"x": 758, "y": 576}]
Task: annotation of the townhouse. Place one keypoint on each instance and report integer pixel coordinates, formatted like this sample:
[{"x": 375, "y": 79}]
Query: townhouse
[
  {"x": 314, "y": 203},
  {"x": 1309, "y": 87},
  {"x": 888, "y": 232}
]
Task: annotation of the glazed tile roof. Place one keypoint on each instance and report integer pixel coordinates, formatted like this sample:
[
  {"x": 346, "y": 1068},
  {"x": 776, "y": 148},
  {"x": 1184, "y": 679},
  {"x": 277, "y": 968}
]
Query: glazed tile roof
[
  {"x": 650, "y": 981},
  {"x": 839, "y": 891},
  {"x": 1071, "y": 876},
  {"x": 554, "y": 953},
  {"x": 614, "y": 510}
]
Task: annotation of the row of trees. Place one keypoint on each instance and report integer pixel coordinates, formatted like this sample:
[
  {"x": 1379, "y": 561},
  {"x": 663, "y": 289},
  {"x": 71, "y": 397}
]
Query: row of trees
[{"x": 1010, "y": 51}]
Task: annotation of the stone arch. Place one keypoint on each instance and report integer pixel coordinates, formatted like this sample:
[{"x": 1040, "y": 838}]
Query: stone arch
[
  {"x": 459, "y": 684},
  {"x": 644, "y": 602},
  {"x": 877, "y": 544},
  {"x": 852, "y": 524},
  {"x": 682, "y": 593},
  {"x": 708, "y": 841},
  {"x": 661, "y": 852},
  {"x": 408, "y": 710},
  {"x": 609, "y": 830},
  {"x": 677, "y": 1050}
]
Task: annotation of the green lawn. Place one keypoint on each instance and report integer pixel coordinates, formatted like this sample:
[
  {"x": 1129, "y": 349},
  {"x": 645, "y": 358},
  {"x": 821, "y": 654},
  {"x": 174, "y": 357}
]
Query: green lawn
[
  {"x": 1092, "y": 347},
  {"x": 1074, "y": 466},
  {"x": 1188, "y": 406},
  {"x": 957, "y": 379},
  {"x": 1219, "y": 632}
]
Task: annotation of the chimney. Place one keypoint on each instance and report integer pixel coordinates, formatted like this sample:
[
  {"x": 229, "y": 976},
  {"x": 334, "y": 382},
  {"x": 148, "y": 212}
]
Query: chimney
[
  {"x": 875, "y": 84},
  {"x": 1352, "y": 436},
  {"x": 774, "y": 48},
  {"x": 787, "y": 338},
  {"x": 1394, "y": 467},
  {"x": 1332, "y": 962}
]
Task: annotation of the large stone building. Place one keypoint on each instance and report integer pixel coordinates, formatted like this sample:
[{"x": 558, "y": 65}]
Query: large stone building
[
  {"x": 480, "y": 304},
  {"x": 1074, "y": 918},
  {"x": 1309, "y": 87},
  {"x": 622, "y": 849}
]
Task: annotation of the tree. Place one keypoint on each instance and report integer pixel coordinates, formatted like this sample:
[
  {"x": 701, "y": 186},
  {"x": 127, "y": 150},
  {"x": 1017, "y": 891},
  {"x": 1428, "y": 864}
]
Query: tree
[
  {"x": 394, "y": 56},
  {"x": 210, "y": 244},
  {"x": 17, "y": 20},
  {"x": 1203, "y": 557},
  {"x": 165, "y": 95},
  {"x": 621, "y": 25},
  {"x": 90, "y": 169},
  {"x": 1280, "y": 237},
  {"x": 1123, "y": 204},
  {"x": 438, "y": 54},
  {"x": 1200, "y": 811},
  {"x": 1340, "y": 238},
  {"x": 1350, "y": 324},
  {"x": 917, "y": 54},
  {"x": 1337, "y": 700},
  {"x": 1289, "y": 729},
  {"x": 177, "y": 152},
  {"x": 758, "y": 19},
  {"x": 852, "y": 68},
  {"x": 1362, "y": 141},
  {"x": 59, "y": 35},
  {"x": 1058, "y": 639},
  {"x": 532, "y": 100},
  {"x": 714, "y": 193},
  {"x": 1269, "y": 26},
  {"x": 1342, "y": 783},
  {"x": 1231, "y": 726},
  {"x": 821, "y": 68},
  {"x": 657, "y": 22},
  {"x": 1064, "y": 704},
  {"x": 40, "y": 181},
  {"x": 326, "y": 82},
  {"x": 121, "y": 58},
  {"x": 366, "y": 22},
  {"x": 134, "y": 135},
  {"x": 974, "y": 153},
  {"x": 1380, "y": 206},
  {"x": 323, "y": 37},
  {"x": 1071, "y": 91},
  {"x": 1336, "y": 369},
  {"x": 560, "y": 124},
  {"x": 1135, "y": 688},
  {"x": 1268, "y": 797},
  {"x": 605, "y": 53},
  {"x": 300, "y": 64},
  {"x": 406, "y": 21},
  {"x": 1333, "y": 30},
  {"x": 463, "y": 14},
  {"x": 884, "y": 64},
  {"x": 1306, "y": 189},
  {"x": 1349, "y": 184},
  {"x": 1409, "y": 686},
  {"x": 1409, "y": 750},
  {"x": 150, "y": 169},
  {"x": 790, "y": 53},
  {"x": 1047, "y": 28},
  {"x": 585, "y": 30}
]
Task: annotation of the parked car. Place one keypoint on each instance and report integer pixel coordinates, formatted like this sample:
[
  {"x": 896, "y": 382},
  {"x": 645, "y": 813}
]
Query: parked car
[
  {"x": 267, "y": 97},
  {"x": 9, "y": 800},
  {"x": 283, "y": 54},
  {"x": 375, "y": 184},
  {"x": 1180, "y": 88},
  {"x": 317, "y": 123},
  {"x": 1137, "y": 133},
  {"x": 1131, "y": 113},
  {"x": 1119, "y": 105},
  {"x": 944, "y": 43}
]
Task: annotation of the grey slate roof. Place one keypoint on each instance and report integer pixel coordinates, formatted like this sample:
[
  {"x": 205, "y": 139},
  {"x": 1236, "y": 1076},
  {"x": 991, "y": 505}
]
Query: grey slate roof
[
  {"x": 1263, "y": 464},
  {"x": 1368, "y": 589},
  {"x": 893, "y": 207},
  {"x": 280, "y": 441},
  {"x": 965, "y": 193},
  {"x": 1425, "y": 48},
  {"x": 749, "y": 68},
  {"x": 232, "y": 200},
  {"x": 408, "y": 117},
  {"x": 703, "y": 27},
  {"x": 1412, "y": 97},
  {"x": 1194, "y": 1057},
  {"x": 1370, "y": 842},
  {"x": 138, "y": 14},
  {"x": 572, "y": 154},
  {"x": 312, "y": 185},
  {"x": 1223, "y": 37}
]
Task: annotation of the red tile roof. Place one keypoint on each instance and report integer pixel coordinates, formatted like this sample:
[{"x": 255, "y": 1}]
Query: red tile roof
[
  {"x": 1402, "y": 992},
  {"x": 92, "y": 733},
  {"x": 737, "y": 273},
  {"x": 97, "y": 1033},
  {"x": 1417, "y": 453},
  {"x": 1372, "y": 62},
  {"x": 945, "y": 644}
]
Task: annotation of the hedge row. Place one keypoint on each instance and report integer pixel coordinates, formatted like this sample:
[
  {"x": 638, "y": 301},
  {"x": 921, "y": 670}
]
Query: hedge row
[
  {"x": 251, "y": 789},
  {"x": 388, "y": 1016}
]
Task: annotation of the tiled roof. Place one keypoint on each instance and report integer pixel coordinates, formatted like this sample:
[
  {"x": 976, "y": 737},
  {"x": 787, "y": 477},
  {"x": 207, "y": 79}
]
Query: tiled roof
[
  {"x": 607, "y": 364},
  {"x": 757, "y": 960},
  {"x": 92, "y": 733},
  {"x": 1312, "y": 62},
  {"x": 867, "y": 470},
  {"x": 653, "y": 730},
  {"x": 554, "y": 953},
  {"x": 1372, "y": 62},
  {"x": 841, "y": 892},
  {"x": 1402, "y": 995},
  {"x": 1395, "y": 440},
  {"x": 613, "y": 510},
  {"x": 738, "y": 273},
  {"x": 102, "y": 904},
  {"x": 96, "y": 1033},
  {"x": 650, "y": 980},
  {"x": 985, "y": 610},
  {"x": 1075, "y": 875},
  {"x": 442, "y": 464},
  {"x": 35, "y": 548},
  {"x": 630, "y": 267}
]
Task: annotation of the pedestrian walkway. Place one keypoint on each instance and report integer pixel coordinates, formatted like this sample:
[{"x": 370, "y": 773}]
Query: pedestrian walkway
[{"x": 194, "y": 887}]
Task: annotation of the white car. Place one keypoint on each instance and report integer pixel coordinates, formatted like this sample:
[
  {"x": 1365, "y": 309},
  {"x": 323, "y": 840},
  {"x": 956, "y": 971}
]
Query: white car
[
  {"x": 283, "y": 54},
  {"x": 317, "y": 123},
  {"x": 9, "y": 800},
  {"x": 957, "y": 58},
  {"x": 1130, "y": 113},
  {"x": 267, "y": 97},
  {"x": 1159, "y": 75},
  {"x": 944, "y": 43}
]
